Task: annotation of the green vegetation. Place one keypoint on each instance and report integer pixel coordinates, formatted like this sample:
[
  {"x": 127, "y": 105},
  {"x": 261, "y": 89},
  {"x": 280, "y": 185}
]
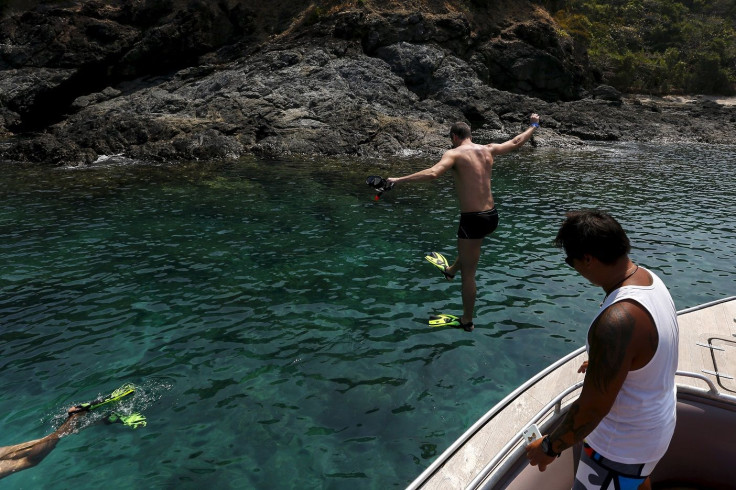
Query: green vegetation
[
  {"x": 314, "y": 16},
  {"x": 655, "y": 46}
]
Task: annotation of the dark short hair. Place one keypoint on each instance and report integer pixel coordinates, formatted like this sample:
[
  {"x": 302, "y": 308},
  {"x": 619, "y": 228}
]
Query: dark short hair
[
  {"x": 461, "y": 130},
  {"x": 593, "y": 232}
]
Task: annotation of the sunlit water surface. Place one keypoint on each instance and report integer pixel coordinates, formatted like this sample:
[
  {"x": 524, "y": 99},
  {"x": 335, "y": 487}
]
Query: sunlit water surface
[{"x": 274, "y": 316}]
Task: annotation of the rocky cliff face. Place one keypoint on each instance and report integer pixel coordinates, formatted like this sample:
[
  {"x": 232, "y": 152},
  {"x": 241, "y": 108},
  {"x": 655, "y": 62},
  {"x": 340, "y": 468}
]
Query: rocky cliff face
[{"x": 196, "y": 79}]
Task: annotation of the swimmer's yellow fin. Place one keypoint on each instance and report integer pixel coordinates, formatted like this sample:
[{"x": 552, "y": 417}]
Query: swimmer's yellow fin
[
  {"x": 120, "y": 393},
  {"x": 134, "y": 420}
]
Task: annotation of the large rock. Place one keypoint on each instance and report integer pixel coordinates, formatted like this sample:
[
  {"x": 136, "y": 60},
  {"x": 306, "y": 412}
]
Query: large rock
[
  {"x": 76, "y": 51},
  {"x": 531, "y": 59},
  {"x": 221, "y": 79},
  {"x": 291, "y": 99}
]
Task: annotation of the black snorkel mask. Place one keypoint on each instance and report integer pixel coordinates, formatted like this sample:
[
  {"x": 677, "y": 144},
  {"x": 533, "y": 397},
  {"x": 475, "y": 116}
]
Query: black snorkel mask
[{"x": 380, "y": 185}]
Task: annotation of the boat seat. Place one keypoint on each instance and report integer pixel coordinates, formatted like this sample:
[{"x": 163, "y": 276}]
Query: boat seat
[{"x": 701, "y": 452}]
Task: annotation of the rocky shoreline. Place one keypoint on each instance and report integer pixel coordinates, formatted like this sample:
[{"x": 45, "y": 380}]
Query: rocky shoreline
[{"x": 98, "y": 79}]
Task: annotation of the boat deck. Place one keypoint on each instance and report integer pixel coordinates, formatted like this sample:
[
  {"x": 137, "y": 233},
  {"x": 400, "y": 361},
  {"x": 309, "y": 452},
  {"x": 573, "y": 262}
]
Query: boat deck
[{"x": 707, "y": 345}]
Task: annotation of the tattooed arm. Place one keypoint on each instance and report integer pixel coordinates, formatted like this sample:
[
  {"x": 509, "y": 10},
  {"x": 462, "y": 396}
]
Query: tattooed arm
[{"x": 615, "y": 341}]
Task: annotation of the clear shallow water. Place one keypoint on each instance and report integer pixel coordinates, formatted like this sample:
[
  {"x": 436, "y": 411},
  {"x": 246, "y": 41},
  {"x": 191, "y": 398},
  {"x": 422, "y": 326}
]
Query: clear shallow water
[{"x": 274, "y": 316}]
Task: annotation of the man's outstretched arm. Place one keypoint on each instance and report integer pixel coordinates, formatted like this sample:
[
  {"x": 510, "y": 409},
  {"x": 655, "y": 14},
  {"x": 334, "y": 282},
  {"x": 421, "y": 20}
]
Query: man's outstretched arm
[
  {"x": 428, "y": 174},
  {"x": 518, "y": 141}
]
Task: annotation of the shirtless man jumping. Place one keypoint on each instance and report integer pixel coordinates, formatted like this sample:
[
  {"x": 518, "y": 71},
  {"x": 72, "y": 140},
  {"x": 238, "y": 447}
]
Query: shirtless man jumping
[{"x": 472, "y": 164}]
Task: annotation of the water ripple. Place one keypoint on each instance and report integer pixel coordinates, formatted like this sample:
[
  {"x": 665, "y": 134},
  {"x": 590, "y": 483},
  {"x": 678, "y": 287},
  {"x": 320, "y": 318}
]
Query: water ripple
[{"x": 277, "y": 316}]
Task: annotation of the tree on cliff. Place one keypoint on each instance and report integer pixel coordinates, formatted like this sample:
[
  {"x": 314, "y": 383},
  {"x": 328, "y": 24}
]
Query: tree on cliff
[{"x": 657, "y": 46}]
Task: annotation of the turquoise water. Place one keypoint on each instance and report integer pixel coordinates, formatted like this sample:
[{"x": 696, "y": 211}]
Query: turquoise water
[{"x": 274, "y": 316}]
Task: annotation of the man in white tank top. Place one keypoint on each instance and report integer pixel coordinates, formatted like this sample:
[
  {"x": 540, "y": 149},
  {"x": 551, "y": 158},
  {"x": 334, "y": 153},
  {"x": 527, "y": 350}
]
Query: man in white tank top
[{"x": 626, "y": 410}]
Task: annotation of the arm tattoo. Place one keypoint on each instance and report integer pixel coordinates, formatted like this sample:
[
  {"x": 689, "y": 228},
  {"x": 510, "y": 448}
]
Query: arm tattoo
[
  {"x": 610, "y": 337},
  {"x": 560, "y": 437}
]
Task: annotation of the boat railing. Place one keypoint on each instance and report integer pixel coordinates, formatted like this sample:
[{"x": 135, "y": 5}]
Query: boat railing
[
  {"x": 712, "y": 392},
  {"x": 555, "y": 404}
]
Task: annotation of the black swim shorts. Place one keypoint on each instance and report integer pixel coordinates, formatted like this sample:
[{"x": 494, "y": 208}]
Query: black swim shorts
[{"x": 477, "y": 224}]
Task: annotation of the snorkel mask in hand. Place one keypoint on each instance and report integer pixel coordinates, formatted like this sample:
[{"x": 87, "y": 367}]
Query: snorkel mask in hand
[{"x": 380, "y": 184}]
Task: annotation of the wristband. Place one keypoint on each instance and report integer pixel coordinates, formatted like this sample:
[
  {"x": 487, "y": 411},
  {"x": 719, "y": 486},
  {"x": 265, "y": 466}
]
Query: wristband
[
  {"x": 546, "y": 447},
  {"x": 534, "y": 125}
]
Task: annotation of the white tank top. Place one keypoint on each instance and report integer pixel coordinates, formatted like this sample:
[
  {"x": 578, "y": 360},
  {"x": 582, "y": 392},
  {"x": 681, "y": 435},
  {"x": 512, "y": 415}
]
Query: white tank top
[{"x": 639, "y": 427}]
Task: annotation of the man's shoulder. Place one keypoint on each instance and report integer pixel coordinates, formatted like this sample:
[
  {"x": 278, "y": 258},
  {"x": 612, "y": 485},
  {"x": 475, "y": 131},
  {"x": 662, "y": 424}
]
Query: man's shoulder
[
  {"x": 622, "y": 322},
  {"x": 466, "y": 151},
  {"x": 449, "y": 157}
]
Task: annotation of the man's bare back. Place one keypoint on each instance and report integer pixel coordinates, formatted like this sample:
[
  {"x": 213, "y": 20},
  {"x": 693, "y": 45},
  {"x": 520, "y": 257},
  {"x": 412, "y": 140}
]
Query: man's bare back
[{"x": 473, "y": 165}]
